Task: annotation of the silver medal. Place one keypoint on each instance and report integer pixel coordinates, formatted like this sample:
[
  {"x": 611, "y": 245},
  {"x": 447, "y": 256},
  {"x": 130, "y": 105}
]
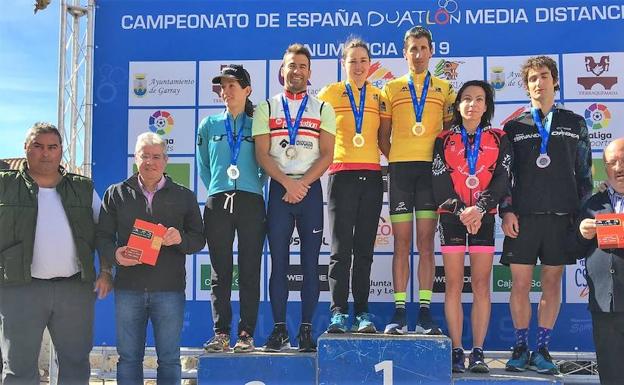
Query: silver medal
[
  {"x": 233, "y": 172},
  {"x": 291, "y": 152},
  {"x": 472, "y": 182},
  {"x": 543, "y": 161}
]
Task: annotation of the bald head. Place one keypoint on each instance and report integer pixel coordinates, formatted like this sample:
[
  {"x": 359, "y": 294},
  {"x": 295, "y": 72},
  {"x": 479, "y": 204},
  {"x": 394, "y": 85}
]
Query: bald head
[{"x": 614, "y": 164}]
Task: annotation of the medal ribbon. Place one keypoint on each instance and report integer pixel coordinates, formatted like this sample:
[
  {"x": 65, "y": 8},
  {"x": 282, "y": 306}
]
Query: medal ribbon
[
  {"x": 419, "y": 105},
  {"x": 234, "y": 145},
  {"x": 544, "y": 129},
  {"x": 358, "y": 115},
  {"x": 293, "y": 128},
  {"x": 472, "y": 151}
]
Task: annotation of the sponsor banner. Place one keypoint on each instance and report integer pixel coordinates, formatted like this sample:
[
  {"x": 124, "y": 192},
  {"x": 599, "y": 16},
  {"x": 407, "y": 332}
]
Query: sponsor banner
[
  {"x": 210, "y": 94},
  {"x": 595, "y": 75},
  {"x": 175, "y": 126},
  {"x": 502, "y": 282},
  {"x": 506, "y": 112},
  {"x": 384, "y": 241},
  {"x": 598, "y": 171},
  {"x": 457, "y": 70},
  {"x": 503, "y": 73},
  {"x": 381, "y": 288},
  {"x": 323, "y": 72},
  {"x": 295, "y": 240},
  {"x": 604, "y": 121},
  {"x": 577, "y": 290},
  {"x": 180, "y": 169},
  {"x": 161, "y": 83},
  {"x": 439, "y": 280},
  {"x": 294, "y": 276}
]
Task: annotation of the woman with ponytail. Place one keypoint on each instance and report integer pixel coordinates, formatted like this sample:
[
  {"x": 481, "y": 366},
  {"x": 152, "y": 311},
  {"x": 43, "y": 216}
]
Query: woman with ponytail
[{"x": 235, "y": 206}]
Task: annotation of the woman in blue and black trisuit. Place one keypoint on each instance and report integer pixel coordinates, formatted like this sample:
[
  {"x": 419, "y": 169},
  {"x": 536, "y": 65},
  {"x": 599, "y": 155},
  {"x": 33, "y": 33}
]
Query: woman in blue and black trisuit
[{"x": 235, "y": 205}]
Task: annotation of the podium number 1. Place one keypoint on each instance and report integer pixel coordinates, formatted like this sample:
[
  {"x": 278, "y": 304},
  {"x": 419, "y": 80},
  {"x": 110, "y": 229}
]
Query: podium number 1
[{"x": 386, "y": 368}]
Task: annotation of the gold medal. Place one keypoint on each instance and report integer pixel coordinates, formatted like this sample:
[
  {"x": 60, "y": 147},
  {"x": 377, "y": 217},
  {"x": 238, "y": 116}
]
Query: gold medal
[
  {"x": 418, "y": 129},
  {"x": 358, "y": 140}
]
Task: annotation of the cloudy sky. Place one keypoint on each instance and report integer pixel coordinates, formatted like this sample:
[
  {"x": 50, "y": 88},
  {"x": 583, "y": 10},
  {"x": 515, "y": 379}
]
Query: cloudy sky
[{"x": 28, "y": 70}]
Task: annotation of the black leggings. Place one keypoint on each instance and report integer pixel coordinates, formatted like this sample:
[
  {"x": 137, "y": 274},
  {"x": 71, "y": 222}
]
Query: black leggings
[
  {"x": 225, "y": 214},
  {"x": 354, "y": 206}
]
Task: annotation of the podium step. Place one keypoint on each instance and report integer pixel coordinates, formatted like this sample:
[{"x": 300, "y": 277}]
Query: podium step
[
  {"x": 384, "y": 359},
  {"x": 502, "y": 377},
  {"x": 257, "y": 368}
]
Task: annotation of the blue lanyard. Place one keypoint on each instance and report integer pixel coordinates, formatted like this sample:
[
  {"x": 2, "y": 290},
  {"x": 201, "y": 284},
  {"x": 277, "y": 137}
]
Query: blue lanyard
[
  {"x": 293, "y": 128},
  {"x": 358, "y": 114},
  {"x": 544, "y": 129},
  {"x": 419, "y": 105},
  {"x": 472, "y": 151},
  {"x": 234, "y": 146}
]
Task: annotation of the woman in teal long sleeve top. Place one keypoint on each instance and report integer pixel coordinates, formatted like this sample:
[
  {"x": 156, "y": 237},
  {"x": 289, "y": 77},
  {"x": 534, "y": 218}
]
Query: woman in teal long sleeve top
[{"x": 228, "y": 168}]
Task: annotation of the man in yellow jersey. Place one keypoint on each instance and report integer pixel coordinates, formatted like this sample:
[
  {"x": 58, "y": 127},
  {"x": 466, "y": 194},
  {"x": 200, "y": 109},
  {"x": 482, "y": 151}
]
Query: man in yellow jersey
[{"x": 421, "y": 106}]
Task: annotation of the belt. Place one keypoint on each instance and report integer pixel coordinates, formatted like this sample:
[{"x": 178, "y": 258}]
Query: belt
[{"x": 56, "y": 279}]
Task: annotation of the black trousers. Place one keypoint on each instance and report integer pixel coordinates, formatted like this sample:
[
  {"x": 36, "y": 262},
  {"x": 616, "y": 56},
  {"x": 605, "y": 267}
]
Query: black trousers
[
  {"x": 353, "y": 209},
  {"x": 228, "y": 214},
  {"x": 609, "y": 341}
]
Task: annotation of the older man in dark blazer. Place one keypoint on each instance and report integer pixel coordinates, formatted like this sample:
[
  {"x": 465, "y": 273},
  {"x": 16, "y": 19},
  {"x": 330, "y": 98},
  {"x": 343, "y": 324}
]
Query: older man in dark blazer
[{"x": 605, "y": 269}]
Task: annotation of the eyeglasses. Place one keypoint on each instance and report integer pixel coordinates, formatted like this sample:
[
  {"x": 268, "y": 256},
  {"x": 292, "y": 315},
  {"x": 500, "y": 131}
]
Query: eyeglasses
[{"x": 156, "y": 157}]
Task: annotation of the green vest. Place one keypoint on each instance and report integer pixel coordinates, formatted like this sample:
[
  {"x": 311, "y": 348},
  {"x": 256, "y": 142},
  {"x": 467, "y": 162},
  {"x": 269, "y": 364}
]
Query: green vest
[{"x": 18, "y": 220}]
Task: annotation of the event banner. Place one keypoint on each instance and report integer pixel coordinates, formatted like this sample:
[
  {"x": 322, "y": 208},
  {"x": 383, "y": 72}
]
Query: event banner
[{"x": 154, "y": 62}]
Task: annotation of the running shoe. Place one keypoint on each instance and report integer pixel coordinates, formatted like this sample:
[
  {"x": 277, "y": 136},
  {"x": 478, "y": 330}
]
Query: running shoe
[
  {"x": 519, "y": 360},
  {"x": 476, "y": 362},
  {"x": 426, "y": 324},
  {"x": 278, "y": 339},
  {"x": 244, "y": 343},
  {"x": 219, "y": 343},
  {"x": 307, "y": 344},
  {"x": 541, "y": 362},
  {"x": 338, "y": 323},
  {"x": 458, "y": 360},
  {"x": 398, "y": 325},
  {"x": 364, "y": 324}
]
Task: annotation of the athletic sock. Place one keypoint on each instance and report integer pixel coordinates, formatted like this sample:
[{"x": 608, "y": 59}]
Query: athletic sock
[
  {"x": 399, "y": 300},
  {"x": 522, "y": 337},
  {"x": 543, "y": 337},
  {"x": 424, "y": 297}
]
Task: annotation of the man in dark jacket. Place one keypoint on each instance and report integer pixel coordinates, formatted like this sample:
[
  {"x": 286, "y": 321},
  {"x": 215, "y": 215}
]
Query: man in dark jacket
[
  {"x": 551, "y": 179},
  {"x": 605, "y": 268},
  {"x": 47, "y": 221},
  {"x": 143, "y": 291}
]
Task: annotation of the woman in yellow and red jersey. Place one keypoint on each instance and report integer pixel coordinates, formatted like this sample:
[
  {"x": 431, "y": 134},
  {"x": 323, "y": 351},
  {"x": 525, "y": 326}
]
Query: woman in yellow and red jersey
[
  {"x": 355, "y": 186},
  {"x": 471, "y": 166}
]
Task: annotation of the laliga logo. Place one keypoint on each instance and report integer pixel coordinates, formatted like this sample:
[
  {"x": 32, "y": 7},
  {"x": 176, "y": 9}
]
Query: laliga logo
[
  {"x": 597, "y": 116},
  {"x": 161, "y": 122}
]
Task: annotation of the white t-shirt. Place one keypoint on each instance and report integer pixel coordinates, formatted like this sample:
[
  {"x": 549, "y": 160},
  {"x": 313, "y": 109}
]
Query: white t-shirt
[{"x": 54, "y": 252}]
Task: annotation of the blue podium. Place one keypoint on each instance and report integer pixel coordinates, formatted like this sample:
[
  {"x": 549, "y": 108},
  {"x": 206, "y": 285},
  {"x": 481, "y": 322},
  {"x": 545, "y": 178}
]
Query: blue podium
[
  {"x": 384, "y": 360},
  {"x": 258, "y": 368}
]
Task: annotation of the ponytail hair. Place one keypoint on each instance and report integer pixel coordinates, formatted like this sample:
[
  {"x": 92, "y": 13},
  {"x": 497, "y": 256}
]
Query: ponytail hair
[{"x": 249, "y": 108}]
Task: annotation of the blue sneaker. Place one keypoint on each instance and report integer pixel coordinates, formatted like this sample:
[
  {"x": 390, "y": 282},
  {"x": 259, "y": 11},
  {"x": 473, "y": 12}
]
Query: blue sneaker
[
  {"x": 459, "y": 358},
  {"x": 541, "y": 362},
  {"x": 519, "y": 360},
  {"x": 398, "y": 325},
  {"x": 364, "y": 324},
  {"x": 338, "y": 323},
  {"x": 476, "y": 362}
]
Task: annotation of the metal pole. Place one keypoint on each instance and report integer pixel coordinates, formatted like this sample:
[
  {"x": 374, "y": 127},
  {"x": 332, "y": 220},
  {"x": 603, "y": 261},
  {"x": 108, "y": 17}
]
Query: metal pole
[
  {"x": 74, "y": 87},
  {"x": 87, "y": 162},
  {"x": 61, "y": 79}
]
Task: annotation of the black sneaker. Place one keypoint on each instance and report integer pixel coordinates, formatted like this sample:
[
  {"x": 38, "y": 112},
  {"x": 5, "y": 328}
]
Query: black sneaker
[
  {"x": 458, "y": 360},
  {"x": 425, "y": 324},
  {"x": 398, "y": 325},
  {"x": 278, "y": 339},
  {"x": 307, "y": 344},
  {"x": 476, "y": 362}
]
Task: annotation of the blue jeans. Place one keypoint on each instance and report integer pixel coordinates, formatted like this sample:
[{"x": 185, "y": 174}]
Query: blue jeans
[{"x": 132, "y": 311}]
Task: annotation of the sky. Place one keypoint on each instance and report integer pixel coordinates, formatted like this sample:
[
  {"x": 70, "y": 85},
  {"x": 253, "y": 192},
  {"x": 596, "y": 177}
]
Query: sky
[{"x": 28, "y": 70}]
